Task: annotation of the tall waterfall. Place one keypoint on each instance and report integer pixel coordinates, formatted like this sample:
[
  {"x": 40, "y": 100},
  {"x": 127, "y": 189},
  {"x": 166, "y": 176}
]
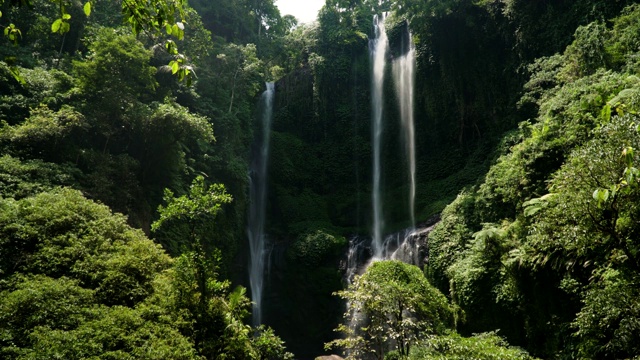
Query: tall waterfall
[
  {"x": 408, "y": 245},
  {"x": 403, "y": 73},
  {"x": 378, "y": 49},
  {"x": 400, "y": 245},
  {"x": 258, "y": 198}
]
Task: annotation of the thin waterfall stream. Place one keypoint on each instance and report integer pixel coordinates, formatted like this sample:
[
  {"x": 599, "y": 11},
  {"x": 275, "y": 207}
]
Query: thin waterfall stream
[
  {"x": 403, "y": 73},
  {"x": 378, "y": 48},
  {"x": 401, "y": 245},
  {"x": 258, "y": 204}
]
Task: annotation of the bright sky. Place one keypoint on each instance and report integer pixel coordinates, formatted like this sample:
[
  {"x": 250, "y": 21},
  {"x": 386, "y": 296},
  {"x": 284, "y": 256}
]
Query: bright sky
[{"x": 305, "y": 11}]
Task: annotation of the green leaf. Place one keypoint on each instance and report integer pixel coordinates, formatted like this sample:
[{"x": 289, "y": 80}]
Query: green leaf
[
  {"x": 55, "y": 27},
  {"x": 601, "y": 195},
  {"x": 16, "y": 75},
  {"x": 630, "y": 174},
  {"x": 177, "y": 30},
  {"x": 627, "y": 154},
  {"x": 87, "y": 8},
  {"x": 532, "y": 209},
  {"x": 171, "y": 47},
  {"x": 534, "y": 205},
  {"x": 174, "y": 67},
  {"x": 66, "y": 16},
  {"x": 605, "y": 114}
]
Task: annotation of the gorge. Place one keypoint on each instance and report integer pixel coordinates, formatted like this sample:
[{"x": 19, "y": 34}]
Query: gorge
[{"x": 397, "y": 180}]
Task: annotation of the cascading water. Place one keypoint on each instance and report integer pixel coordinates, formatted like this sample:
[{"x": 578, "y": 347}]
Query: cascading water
[
  {"x": 397, "y": 245},
  {"x": 408, "y": 245},
  {"x": 257, "y": 209},
  {"x": 378, "y": 49},
  {"x": 403, "y": 73},
  {"x": 357, "y": 256}
]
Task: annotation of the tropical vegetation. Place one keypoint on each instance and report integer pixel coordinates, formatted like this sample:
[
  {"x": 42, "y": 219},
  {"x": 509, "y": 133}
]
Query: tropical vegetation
[{"x": 127, "y": 133}]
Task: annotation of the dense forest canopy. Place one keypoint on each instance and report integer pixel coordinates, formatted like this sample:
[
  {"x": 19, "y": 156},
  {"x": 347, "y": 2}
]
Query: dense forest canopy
[{"x": 128, "y": 131}]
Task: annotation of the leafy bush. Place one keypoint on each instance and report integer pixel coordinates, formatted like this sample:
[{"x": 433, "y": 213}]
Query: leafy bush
[
  {"x": 73, "y": 280},
  {"x": 19, "y": 179},
  {"x": 77, "y": 282},
  {"x": 312, "y": 249},
  {"x": 586, "y": 234},
  {"x": 47, "y": 135},
  {"x": 548, "y": 234},
  {"x": 485, "y": 346},
  {"x": 391, "y": 305},
  {"x": 60, "y": 233},
  {"x": 448, "y": 239}
]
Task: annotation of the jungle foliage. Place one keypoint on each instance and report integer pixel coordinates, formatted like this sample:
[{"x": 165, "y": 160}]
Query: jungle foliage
[
  {"x": 391, "y": 302},
  {"x": 530, "y": 107},
  {"x": 544, "y": 248},
  {"x": 490, "y": 75},
  {"x": 393, "y": 312},
  {"x": 472, "y": 59},
  {"x": 95, "y": 122},
  {"x": 78, "y": 282}
]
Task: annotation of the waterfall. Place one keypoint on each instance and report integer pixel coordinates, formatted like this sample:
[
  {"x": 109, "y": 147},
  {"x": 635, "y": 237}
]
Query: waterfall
[
  {"x": 403, "y": 73},
  {"x": 357, "y": 256},
  {"x": 258, "y": 199},
  {"x": 378, "y": 48},
  {"x": 400, "y": 245},
  {"x": 409, "y": 245}
]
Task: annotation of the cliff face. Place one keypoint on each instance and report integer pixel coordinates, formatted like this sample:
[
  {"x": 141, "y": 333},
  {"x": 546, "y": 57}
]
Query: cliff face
[
  {"x": 321, "y": 143},
  {"x": 310, "y": 167},
  {"x": 319, "y": 147},
  {"x": 471, "y": 68},
  {"x": 320, "y": 173}
]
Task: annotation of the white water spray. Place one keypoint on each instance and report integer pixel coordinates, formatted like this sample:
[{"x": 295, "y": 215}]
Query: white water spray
[
  {"x": 378, "y": 48},
  {"x": 257, "y": 209},
  {"x": 406, "y": 245},
  {"x": 403, "y": 73}
]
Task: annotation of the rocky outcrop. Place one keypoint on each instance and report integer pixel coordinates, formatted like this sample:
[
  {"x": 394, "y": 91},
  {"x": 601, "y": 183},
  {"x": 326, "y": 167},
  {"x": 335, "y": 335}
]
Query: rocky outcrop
[
  {"x": 414, "y": 249},
  {"x": 408, "y": 246}
]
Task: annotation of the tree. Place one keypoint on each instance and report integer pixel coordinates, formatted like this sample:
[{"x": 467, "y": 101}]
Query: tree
[
  {"x": 77, "y": 282},
  {"x": 131, "y": 78},
  {"x": 588, "y": 235},
  {"x": 194, "y": 210},
  {"x": 390, "y": 305},
  {"x": 269, "y": 346},
  {"x": 155, "y": 18},
  {"x": 45, "y": 134},
  {"x": 198, "y": 291},
  {"x": 485, "y": 346},
  {"x": 217, "y": 314},
  {"x": 241, "y": 67},
  {"x": 74, "y": 280},
  {"x": 19, "y": 179}
]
